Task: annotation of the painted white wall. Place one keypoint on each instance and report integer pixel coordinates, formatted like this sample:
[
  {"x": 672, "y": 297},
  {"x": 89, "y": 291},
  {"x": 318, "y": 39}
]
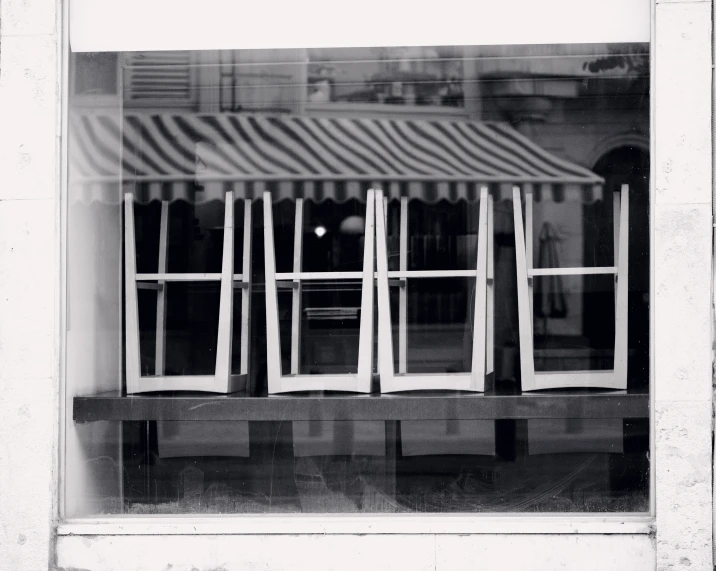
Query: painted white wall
[{"x": 29, "y": 338}]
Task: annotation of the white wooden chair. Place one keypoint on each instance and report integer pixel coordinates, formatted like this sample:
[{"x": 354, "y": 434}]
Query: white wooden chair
[
  {"x": 482, "y": 341},
  {"x": 615, "y": 378},
  {"x": 222, "y": 381},
  {"x": 278, "y": 382}
]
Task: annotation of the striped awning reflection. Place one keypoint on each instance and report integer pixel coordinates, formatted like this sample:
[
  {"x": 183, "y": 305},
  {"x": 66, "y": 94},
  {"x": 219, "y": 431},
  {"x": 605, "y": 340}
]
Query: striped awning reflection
[{"x": 198, "y": 157}]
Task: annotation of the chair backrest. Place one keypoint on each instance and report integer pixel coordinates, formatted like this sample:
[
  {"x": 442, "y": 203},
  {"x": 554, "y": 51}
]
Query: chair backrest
[
  {"x": 390, "y": 381},
  {"x": 615, "y": 378},
  {"x": 222, "y": 381},
  {"x": 278, "y": 382}
]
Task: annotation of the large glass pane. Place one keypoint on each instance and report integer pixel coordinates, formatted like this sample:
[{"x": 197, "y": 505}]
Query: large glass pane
[
  {"x": 507, "y": 465},
  {"x": 513, "y": 186}
]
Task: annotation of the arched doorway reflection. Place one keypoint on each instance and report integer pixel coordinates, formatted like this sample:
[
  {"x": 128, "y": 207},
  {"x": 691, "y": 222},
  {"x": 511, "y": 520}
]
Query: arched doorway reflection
[{"x": 623, "y": 165}]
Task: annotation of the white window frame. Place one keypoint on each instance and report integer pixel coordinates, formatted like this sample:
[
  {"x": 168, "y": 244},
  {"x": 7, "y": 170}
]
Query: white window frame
[{"x": 490, "y": 524}]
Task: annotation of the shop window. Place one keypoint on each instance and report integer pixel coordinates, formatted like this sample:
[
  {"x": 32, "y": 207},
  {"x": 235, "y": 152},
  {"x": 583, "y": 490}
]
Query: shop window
[{"x": 310, "y": 280}]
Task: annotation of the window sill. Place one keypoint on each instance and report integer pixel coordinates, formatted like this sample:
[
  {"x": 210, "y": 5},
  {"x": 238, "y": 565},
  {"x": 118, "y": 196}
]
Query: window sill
[{"x": 490, "y": 524}]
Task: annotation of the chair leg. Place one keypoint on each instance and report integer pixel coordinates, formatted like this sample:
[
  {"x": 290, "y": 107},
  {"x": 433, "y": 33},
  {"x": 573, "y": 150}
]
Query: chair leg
[
  {"x": 160, "y": 344},
  {"x": 246, "y": 278},
  {"x": 226, "y": 297},
  {"x": 527, "y": 366},
  {"x": 365, "y": 336},
  {"x": 385, "y": 333},
  {"x": 403, "y": 290},
  {"x": 529, "y": 251},
  {"x": 273, "y": 339},
  {"x": 133, "y": 363},
  {"x": 296, "y": 293},
  {"x": 479, "y": 319},
  {"x": 621, "y": 310},
  {"x": 490, "y": 312}
]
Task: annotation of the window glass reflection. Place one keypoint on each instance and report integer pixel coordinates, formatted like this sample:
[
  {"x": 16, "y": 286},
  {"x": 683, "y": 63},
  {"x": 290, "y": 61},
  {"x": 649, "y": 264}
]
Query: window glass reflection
[
  {"x": 512, "y": 466},
  {"x": 474, "y": 156}
]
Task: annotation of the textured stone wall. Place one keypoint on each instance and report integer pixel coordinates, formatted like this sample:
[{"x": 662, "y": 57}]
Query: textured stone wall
[
  {"x": 682, "y": 162},
  {"x": 29, "y": 270}
]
